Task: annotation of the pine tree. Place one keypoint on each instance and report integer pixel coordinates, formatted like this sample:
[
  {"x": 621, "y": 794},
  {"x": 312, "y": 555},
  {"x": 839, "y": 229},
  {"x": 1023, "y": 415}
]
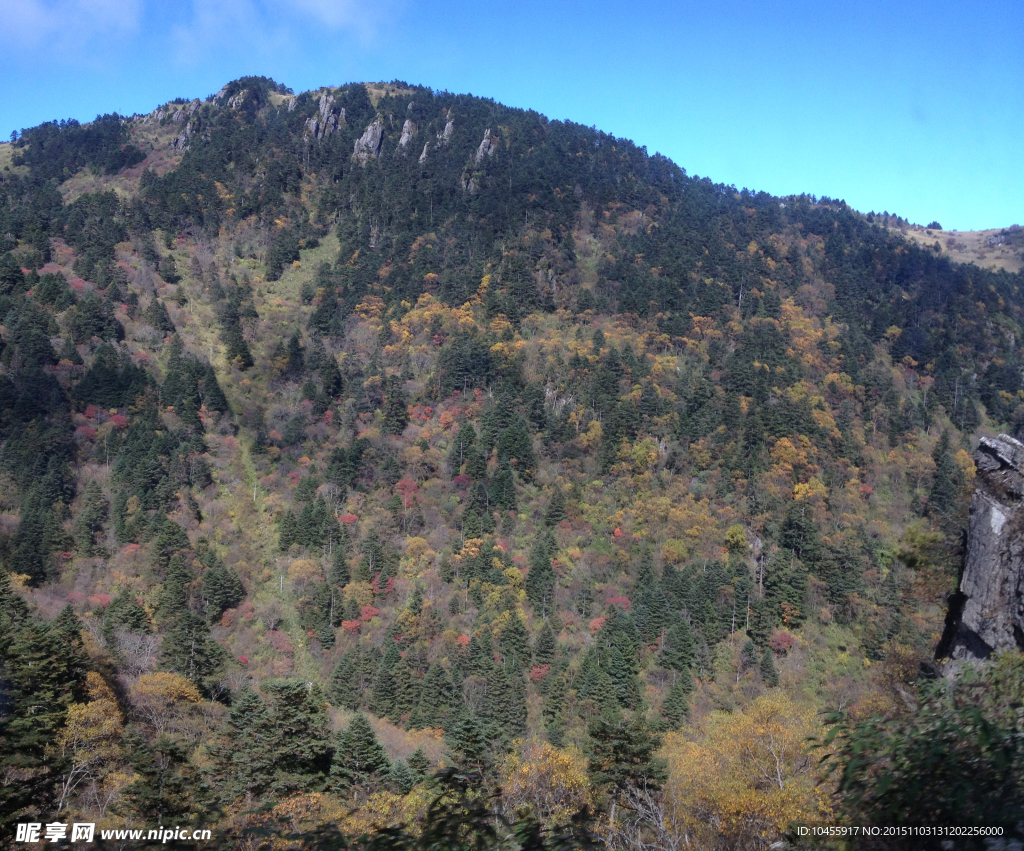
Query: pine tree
[
  {"x": 419, "y": 764},
  {"x": 385, "y": 689},
  {"x": 514, "y": 644},
  {"x": 245, "y": 764},
  {"x": 678, "y": 651},
  {"x": 301, "y": 746},
  {"x": 540, "y": 581},
  {"x": 556, "y": 508},
  {"x": 768, "y": 669},
  {"x": 222, "y": 589},
  {"x": 676, "y": 708},
  {"x": 396, "y": 409},
  {"x": 545, "y": 645},
  {"x": 360, "y": 759}
]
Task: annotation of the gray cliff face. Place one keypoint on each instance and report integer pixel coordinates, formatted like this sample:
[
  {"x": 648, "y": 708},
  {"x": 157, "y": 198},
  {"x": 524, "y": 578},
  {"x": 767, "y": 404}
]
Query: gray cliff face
[
  {"x": 987, "y": 613},
  {"x": 325, "y": 121},
  {"x": 369, "y": 144}
]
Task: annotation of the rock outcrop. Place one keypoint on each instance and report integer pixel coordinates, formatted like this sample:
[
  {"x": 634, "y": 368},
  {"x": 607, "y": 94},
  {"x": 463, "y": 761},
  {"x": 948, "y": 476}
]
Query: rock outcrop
[
  {"x": 369, "y": 144},
  {"x": 987, "y": 613},
  {"x": 325, "y": 121},
  {"x": 487, "y": 147},
  {"x": 408, "y": 132}
]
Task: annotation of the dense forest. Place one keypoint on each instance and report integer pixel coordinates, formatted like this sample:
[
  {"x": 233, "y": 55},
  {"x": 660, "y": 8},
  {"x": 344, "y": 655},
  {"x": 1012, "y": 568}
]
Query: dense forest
[{"x": 383, "y": 467}]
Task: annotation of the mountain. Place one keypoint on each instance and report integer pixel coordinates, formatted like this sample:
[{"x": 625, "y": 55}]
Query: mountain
[{"x": 356, "y": 434}]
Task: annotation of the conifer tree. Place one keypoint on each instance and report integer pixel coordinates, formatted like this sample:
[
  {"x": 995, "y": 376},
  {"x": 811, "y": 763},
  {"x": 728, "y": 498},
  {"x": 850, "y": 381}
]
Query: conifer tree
[
  {"x": 540, "y": 581},
  {"x": 245, "y": 762},
  {"x": 401, "y": 777},
  {"x": 467, "y": 745},
  {"x": 222, "y": 589},
  {"x": 301, "y": 745},
  {"x": 556, "y": 508},
  {"x": 545, "y": 645},
  {"x": 678, "y": 651},
  {"x": 189, "y": 650},
  {"x": 360, "y": 759},
  {"x": 419, "y": 764},
  {"x": 385, "y": 688},
  {"x": 676, "y": 708},
  {"x": 768, "y": 669},
  {"x": 622, "y": 756},
  {"x": 396, "y": 409},
  {"x": 514, "y": 644}
]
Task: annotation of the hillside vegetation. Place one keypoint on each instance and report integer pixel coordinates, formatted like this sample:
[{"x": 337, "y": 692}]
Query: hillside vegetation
[{"x": 375, "y": 450}]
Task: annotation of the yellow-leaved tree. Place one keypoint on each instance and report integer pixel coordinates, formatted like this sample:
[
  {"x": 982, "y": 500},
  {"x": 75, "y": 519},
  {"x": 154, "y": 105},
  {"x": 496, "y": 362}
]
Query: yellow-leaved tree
[
  {"x": 546, "y": 782},
  {"x": 735, "y": 782}
]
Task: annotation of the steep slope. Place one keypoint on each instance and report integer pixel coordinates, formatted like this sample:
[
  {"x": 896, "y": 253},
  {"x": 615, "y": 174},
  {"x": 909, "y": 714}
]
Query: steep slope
[{"x": 383, "y": 400}]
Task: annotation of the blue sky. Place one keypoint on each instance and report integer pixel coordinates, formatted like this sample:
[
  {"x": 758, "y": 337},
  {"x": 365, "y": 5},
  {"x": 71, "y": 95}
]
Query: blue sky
[{"x": 912, "y": 107}]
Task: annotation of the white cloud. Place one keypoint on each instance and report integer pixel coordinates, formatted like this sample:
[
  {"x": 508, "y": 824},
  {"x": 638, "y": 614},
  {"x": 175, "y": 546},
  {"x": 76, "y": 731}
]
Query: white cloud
[{"x": 67, "y": 27}]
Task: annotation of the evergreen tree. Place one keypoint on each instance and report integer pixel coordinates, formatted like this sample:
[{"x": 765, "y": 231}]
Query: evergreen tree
[
  {"x": 222, "y": 589},
  {"x": 514, "y": 644},
  {"x": 622, "y": 756},
  {"x": 401, "y": 777},
  {"x": 467, "y": 745},
  {"x": 545, "y": 645},
  {"x": 768, "y": 669},
  {"x": 947, "y": 481},
  {"x": 556, "y": 508},
  {"x": 360, "y": 759},
  {"x": 676, "y": 708},
  {"x": 385, "y": 688},
  {"x": 540, "y": 581},
  {"x": 679, "y": 649},
  {"x": 301, "y": 747},
  {"x": 396, "y": 409},
  {"x": 189, "y": 650},
  {"x": 245, "y": 763},
  {"x": 419, "y": 764},
  {"x": 168, "y": 787}
]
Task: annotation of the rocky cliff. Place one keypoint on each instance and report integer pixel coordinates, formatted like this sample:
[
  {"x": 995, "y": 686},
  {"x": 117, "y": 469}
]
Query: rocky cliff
[{"x": 987, "y": 612}]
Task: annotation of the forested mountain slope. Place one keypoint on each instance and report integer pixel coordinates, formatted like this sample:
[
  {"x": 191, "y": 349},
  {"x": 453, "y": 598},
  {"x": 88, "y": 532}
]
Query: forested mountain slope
[{"x": 354, "y": 434}]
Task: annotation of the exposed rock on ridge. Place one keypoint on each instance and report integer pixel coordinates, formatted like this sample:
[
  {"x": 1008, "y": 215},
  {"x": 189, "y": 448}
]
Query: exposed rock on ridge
[
  {"x": 987, "y": 612},
  {"x": 325, "y": 121},
  {"x": 369, "y": 144}
]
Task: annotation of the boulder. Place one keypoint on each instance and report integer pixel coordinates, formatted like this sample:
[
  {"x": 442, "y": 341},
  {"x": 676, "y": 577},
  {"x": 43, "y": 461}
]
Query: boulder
[{"x": 986, "y": 615}]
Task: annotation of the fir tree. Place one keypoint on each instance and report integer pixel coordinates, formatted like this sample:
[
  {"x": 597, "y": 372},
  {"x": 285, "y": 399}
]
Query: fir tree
[
  {"x": 768, "y": 670},
  {"x": 396, "y": 409},
  {"x": 301, "y": 745},
  {"x": 678, "y": 651},
  {"x": 540, "y": 581},
  {"x": 360, "y": 759},
  {"x": 676, "y": 708},
  {"x": 245, "y": 763},
  {"x": 622, "y": 757},
  {"x": 556, "y": 508},
  {"x": 401, "y": 777},
  {"x": 419, "y": 764},
  {"x": 514, "y": 643},
  {"x": 545, "y": 645},
  {"x": 222, "y": 589}
]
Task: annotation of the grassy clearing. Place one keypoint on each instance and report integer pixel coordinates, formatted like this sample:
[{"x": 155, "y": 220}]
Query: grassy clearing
[{"x": 969, "y": 247}]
